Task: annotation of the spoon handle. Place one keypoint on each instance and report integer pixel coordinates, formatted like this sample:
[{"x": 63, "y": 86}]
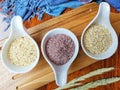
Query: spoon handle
[
  {"x": 61, "y": 78},
  {"x": 103, "y": 14},
  {"x": 17, "y": 26},
  {"x": 105, "y": 9}
]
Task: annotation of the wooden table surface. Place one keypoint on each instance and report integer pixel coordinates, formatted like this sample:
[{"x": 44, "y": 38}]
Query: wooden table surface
[{"x": 114, "y": 61}]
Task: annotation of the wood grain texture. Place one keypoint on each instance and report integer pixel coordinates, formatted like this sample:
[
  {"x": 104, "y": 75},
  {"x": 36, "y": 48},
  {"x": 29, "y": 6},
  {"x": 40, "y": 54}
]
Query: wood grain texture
[{"x": 75, "y": 20}]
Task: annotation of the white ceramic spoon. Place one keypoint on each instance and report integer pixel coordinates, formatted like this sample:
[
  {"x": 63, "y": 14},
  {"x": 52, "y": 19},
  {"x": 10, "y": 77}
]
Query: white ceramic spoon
[
  {"x": 103, "y": 18},
  {"x": 85, "y": 1},
  {"x": 17, "y": 31},
  {"x": 60, "y": 71}
]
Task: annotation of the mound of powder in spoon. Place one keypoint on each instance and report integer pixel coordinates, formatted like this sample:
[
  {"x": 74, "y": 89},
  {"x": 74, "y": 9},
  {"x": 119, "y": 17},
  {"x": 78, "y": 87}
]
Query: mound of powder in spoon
[{"x": 59, "y": 48}]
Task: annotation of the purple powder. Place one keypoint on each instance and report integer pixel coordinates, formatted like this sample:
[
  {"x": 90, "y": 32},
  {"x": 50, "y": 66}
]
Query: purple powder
[{"x": 59, "y": 48}]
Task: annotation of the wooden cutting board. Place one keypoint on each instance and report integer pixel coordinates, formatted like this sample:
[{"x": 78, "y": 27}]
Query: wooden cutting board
[{"x": 74, "y": 20}]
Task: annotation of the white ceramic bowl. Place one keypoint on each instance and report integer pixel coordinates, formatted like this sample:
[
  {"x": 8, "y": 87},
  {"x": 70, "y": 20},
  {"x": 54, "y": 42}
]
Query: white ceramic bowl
[
  {"x": 60, "y": 71},
  {"x": 102, "y": 18},
  {"x": 17, "y": 31}
]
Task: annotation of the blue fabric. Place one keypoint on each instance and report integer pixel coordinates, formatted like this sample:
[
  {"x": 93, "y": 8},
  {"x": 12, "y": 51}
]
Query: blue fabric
[
  {"x": 114, "y": 3},
  {"x": 98, "y": 1},
  {"x": 27, "y": 9}
]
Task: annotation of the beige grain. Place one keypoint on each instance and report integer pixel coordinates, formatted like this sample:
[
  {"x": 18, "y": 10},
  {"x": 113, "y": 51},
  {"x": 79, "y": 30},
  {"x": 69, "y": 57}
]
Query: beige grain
[
  {"x": 22, "y": 51},
  {"x": 97, "y": 39}
]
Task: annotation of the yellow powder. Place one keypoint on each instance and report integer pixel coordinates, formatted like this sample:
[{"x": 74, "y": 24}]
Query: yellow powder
[{"x": 22, "y": 51}]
